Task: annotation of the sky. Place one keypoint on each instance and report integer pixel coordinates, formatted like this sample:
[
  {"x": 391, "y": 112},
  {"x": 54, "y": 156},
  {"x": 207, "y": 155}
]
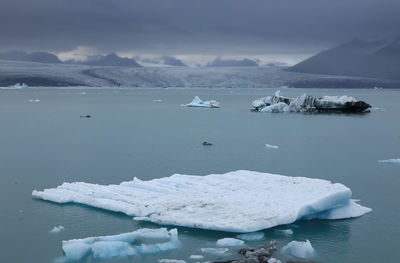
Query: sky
[{"x": 270, "y": 30}]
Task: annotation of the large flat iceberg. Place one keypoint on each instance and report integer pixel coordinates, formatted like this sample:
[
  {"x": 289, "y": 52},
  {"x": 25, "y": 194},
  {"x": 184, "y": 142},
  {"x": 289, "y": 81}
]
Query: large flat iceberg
[
  {"x": 120, "y": 245},
  {"x": 240, "y": 201}
]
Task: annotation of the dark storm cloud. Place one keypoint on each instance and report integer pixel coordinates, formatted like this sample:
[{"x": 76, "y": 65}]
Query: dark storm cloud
[{"x": 193, "y": 26}]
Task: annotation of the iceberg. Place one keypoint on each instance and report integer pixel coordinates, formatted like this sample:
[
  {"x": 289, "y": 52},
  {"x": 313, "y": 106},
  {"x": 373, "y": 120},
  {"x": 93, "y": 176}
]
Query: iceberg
[
  {"x": 229, "y": 242},
  {"x": 239, "y": 201},
  {"x": 390, "y": 161},
  {"x": 299, "y": 249},
  {"x": 308, "y": 103},
  {"x": 271, "y": 146},
  {"x": 120, "y": 245},
  {"x": 56, "y": 229},
  {"x": 197, "y": 102},
  {"x": 20, "y": 86},
  {"x": 254, "y": 236}
]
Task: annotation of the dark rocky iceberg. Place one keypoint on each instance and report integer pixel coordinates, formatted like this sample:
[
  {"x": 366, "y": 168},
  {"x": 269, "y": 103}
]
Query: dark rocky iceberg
[{"x": 308, "y": 103}]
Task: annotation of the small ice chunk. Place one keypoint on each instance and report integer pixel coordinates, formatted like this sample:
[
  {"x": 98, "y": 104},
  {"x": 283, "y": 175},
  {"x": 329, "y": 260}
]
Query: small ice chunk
[
  {"x": 271, "y": 146},
  {"x": 196, "y": 257},
  {"x": 273, "y": 260},
  {"x": 215, "y": 251},
  {"x": 167, "y": 260},
  {"x": 229, "y": 242},
  {"x": 299, "y": 249},
  {"x": 20, "y": 86},
  {"x": 120, "y": 245},
  {"x": 83, "y": 93},
  {"x": 197, "y": 102},
  {"x": 254, "y": 236},
  {"x": 158, "y": 100},
  {"x": 56, "y": 229},
  {"x": 287, "y": 232},
  {"x": 390, "y": 161},
  {"x": 34, "y": 100}
]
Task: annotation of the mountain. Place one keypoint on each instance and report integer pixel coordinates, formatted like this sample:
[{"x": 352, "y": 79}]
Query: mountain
[
  {"x": 40, "y": 57},
  {"x": 171, "y": 61},
  {"x": 111, "y": 60},
  {"x": 374, "y": 59},
  {"x": 219, "y": 62}
]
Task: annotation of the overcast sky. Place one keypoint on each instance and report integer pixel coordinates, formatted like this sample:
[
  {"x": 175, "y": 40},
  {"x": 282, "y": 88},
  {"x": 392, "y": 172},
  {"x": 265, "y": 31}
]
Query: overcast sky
[{"x": 192, "y": 27}]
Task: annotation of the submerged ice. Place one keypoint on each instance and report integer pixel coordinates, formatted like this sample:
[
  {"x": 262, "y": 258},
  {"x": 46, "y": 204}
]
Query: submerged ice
[
  {"x": 197, "y": 102},
  {"x": 239, "y": 201},
  {"x": 120, "y": 245}
]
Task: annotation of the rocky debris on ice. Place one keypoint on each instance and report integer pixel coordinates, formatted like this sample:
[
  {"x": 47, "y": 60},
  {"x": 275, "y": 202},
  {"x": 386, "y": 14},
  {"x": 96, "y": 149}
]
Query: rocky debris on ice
[
  {"x": 308, "y": 103},
  {"x": 262, "y": 255},
  {"x": 197, "y": 102},
  {"x": 299, "y": 249},
  {"x": 56, "y": 229},
  {"x": 120, "y": 245},
  {"x": 240, "y": 201}
]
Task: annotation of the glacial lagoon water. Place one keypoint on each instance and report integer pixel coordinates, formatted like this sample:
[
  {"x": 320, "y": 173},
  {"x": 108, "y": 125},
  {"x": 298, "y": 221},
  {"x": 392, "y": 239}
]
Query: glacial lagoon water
[{"x": 46, "y": 143}]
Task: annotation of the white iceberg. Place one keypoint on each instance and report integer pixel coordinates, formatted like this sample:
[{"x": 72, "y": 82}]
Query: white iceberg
[
  {"x": 120, "y": 245},
  {"x": 254, "y": 236},
  {"x": 56, "y": 229},
  {"x": 240, "y": 201},
  {"x": 299, "y": 249},
  {"x": 197, "y": 102},
  {"x": 229, "y": 242},
  {"x": 20, "y": 86},
  {"x": 271, "y": 146},
  {"x": 390, "y": 161}
]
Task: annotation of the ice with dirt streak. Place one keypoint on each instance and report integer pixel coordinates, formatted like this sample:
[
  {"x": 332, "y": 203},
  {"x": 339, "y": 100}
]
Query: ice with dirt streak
[{"x": 240, "y": 201}]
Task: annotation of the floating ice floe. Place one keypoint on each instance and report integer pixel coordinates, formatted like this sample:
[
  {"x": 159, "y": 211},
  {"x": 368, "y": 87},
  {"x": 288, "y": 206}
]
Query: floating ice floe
[
  {"x": 20, "y": 86},
  {"x": 390, "y": 161},
  {"x": 229, "y": 242},
  {"x": 253, "y": 236},
  {"x": 197, "y": 102},
  {"x": 196, "y": 257},
  {"x": 308, "y": 103},
  {"x": 158, "y": 100},
  {"x": 120, "y": 245},
  {"x": 239, "y": 201},
  {"x": 299, "y": 249},
  {"x": 167, "y": 260},
  {"x": 34, "y": 100},
  {"x": 271, "y": 146},
  {"x": 56, "y": 229},
  {"x": 215, "y": 251}
]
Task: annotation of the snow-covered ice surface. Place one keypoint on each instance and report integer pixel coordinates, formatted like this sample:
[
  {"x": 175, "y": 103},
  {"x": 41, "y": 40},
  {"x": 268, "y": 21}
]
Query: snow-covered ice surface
[
  {"x": 253, "y": 236},
  {"x": 225, "y": 202},
  {"x": 299, "y": 249},
  {"x": 198, "y": 103},
  {"x": 56, "y": 229},
  {"x": 229, "y": 242},
  {"x": 120, "y": 245},
  {"x": 390, "y": 161}
]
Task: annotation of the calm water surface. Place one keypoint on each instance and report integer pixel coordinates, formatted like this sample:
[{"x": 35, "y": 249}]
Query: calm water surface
[{"x": 46, "y": 143}]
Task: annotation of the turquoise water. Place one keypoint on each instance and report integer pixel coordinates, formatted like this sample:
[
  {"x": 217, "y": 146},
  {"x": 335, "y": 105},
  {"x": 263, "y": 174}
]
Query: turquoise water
[{"x": 46, "y": 143}]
